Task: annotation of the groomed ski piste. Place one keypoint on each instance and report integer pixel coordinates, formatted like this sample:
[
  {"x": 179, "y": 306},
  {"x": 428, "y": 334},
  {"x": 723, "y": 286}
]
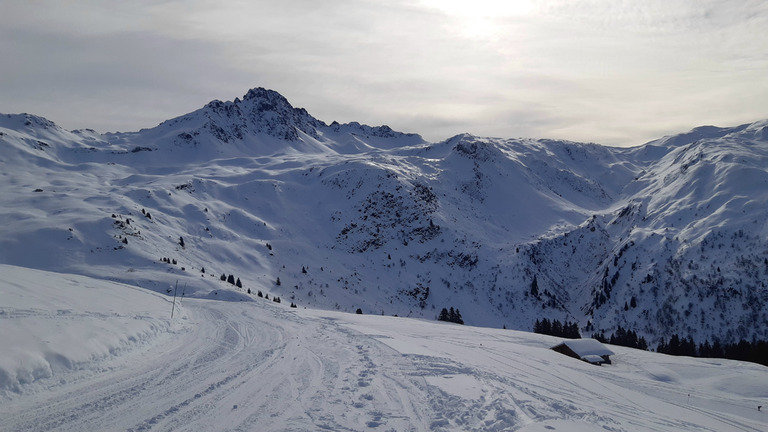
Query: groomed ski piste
[{"x": 84, "y": 354}]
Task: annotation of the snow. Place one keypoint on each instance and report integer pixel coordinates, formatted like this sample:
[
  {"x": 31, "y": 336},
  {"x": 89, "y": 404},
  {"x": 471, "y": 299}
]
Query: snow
[
  {"x": 378, "y": 217},
  {"x": 53, "y": 322},
  {"x": 258, "y": 365},
  {"x": 352, "y": 216}
]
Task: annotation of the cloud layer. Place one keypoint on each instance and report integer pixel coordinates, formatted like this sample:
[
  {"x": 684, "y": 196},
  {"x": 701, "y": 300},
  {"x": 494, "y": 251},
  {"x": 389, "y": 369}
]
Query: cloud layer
[{"x": 613, "y": 72}]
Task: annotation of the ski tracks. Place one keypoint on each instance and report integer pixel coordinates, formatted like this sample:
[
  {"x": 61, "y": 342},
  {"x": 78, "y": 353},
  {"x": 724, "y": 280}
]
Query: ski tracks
[
  {"x": 236, "y": 367},
  {"x": 177, "y": 381},
  {"x": 256, "y": 366}
]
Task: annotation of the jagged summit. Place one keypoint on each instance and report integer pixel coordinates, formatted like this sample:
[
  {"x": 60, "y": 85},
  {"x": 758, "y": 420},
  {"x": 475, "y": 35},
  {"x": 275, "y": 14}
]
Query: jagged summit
[
  {"x": 260, "y": 112},
  {"x": 265, "y": 122}
]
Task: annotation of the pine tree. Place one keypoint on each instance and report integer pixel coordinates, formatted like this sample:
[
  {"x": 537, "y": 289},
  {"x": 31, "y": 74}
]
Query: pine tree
[
  {"x": 535, "y": 287},
  {"x": 546, "y": 327},
  {"x": 238, "y": 283},
  {"x": 557, "y": 328},
  {"x": 537, "y": 326},
  {"x": 459, "y": 319}
]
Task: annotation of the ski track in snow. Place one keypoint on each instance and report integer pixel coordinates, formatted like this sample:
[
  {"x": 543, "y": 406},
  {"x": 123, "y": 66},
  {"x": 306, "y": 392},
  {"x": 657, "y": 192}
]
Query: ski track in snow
[
  {"x": 260, "y": 366},
  {"x": 233, "y": 370}
]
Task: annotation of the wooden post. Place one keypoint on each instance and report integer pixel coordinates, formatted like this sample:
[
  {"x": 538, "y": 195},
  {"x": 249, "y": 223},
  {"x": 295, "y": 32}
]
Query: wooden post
[{"x": 174, "y": 298}]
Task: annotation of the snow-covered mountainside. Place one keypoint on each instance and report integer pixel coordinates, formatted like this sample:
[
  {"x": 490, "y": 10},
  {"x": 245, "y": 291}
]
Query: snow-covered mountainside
[{"x": 667, "y": 237}]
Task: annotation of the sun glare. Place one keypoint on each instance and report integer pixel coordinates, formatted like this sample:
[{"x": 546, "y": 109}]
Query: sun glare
[
  {"x": 478, "y": 19},
  {"x": 481, "y": 8}
]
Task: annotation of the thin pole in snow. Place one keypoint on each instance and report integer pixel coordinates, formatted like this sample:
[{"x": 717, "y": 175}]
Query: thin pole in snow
[
  {"x": 183, "y": 290},
  {"x": 174, "y": 298}
]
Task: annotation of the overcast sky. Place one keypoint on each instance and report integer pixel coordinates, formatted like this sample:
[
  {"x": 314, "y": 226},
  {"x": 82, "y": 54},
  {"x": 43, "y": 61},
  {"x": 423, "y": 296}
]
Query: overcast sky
[{"x": 614, "y": 72}]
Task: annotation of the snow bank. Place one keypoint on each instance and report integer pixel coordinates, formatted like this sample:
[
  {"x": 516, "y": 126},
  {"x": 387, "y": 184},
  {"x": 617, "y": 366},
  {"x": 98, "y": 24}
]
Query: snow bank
[{"x": 53, "y": 323}]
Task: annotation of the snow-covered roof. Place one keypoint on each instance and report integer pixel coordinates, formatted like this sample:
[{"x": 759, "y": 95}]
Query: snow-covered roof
[{"x": 585, "y": 347}]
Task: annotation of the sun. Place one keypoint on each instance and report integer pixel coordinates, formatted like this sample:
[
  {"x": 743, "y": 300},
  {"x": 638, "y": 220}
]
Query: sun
[
  {"x": 481, "y": 8},
  {"x": 479, "y": 19}
]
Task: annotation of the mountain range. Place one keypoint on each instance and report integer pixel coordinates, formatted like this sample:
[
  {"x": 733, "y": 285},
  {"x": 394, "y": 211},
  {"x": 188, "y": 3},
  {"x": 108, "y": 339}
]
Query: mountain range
[{"x": 668, "y": 237}]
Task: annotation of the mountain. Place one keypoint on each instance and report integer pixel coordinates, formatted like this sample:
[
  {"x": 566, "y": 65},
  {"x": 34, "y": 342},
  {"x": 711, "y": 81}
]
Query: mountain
[{"x": 667, "y": 237}]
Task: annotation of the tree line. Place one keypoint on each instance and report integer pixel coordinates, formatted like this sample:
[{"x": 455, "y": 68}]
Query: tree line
[
  {"x": 755, "y": 351},
  {"x": 569, "y": 330},
  {"x": 744, "y": 350}
]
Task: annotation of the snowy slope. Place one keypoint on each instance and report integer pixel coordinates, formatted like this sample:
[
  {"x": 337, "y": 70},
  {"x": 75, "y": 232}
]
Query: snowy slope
[
  {"x": 351, "y": 216},
  {"x": 117, "y": 361}
]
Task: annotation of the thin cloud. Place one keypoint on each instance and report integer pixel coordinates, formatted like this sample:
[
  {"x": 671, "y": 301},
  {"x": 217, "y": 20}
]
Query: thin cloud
[{"x": 613, "y": 72}]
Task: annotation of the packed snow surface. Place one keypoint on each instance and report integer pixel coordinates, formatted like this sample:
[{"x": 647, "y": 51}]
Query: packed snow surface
[{"x": 85, "y": 354}]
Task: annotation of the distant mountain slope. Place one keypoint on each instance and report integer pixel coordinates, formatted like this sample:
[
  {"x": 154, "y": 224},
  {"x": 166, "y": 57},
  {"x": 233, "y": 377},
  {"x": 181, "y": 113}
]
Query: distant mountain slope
[{"x": 668, "y": 237}]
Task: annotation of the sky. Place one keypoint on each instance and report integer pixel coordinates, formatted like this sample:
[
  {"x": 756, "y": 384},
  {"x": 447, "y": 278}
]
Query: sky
[{"x": 614, "y": 72}]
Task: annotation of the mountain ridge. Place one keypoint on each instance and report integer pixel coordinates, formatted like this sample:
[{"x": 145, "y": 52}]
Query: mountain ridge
[{"x": 349, "y": 215}]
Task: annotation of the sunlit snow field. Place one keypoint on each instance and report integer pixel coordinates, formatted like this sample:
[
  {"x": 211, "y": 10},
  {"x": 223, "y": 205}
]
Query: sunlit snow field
[{"x": 86, "y": 354}]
